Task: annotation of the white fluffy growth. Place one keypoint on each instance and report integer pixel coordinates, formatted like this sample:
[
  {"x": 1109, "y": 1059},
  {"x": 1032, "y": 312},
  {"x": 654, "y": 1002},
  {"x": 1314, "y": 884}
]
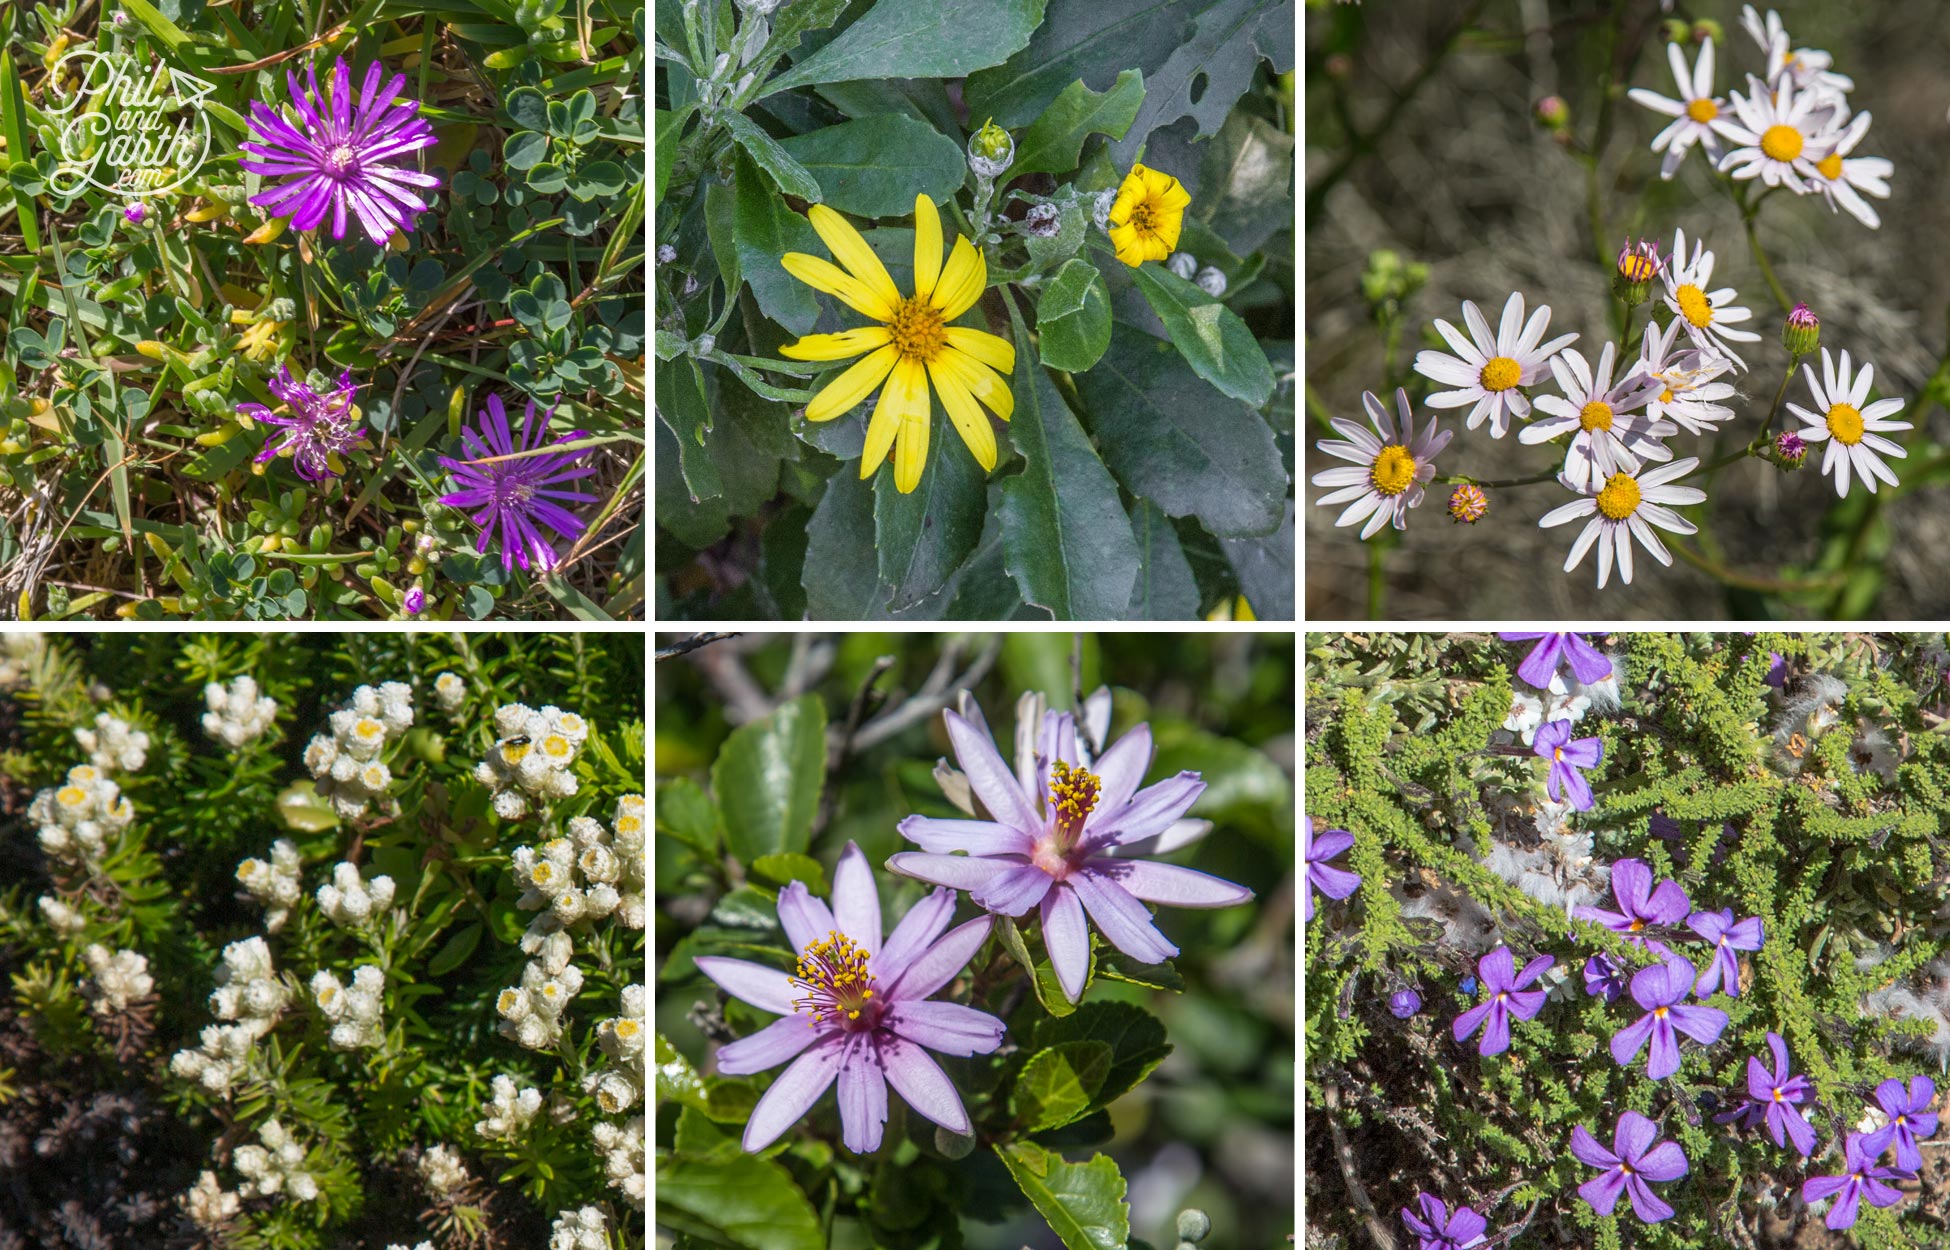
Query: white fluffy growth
[{"x": 238, "y": 713}]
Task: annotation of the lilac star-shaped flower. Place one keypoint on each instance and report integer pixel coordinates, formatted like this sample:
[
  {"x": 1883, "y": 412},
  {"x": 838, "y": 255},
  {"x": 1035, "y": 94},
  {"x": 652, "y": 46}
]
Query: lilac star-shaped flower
[
  {"x": 1860, "y": 1178},
  {"x": 1661, "y": 990},
  {"x": 1436, "y": 1228},
  {"x": 1912, "y": 1115},
  {"x": 1637, "y": 1156},
  {"x": 1567, "y": 755},
  {"x": 1773, "y": 1099},
  {"x": 1587, "y": 663},
  {"x": 1640, "y": 907},
  {"x": 1507, "y": 996},
  {"x": 516, "y": 489},
  {"x": 1727, "y": 937},
  {"x": 1334, "y": 882}
]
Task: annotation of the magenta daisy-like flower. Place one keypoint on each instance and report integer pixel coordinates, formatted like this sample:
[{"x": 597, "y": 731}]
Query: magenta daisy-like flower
[
  {"x": 345, "y": 157},
  {"x": 316, "y": 427},
  {"x": 1073, "y": 855},
  {"x": 858, "y": 1012},
  {"x": 515, "y": 489}
]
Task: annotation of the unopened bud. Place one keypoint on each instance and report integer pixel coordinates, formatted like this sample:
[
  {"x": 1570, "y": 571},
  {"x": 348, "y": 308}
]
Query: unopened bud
[
  {"x": 1676, "y": 30},
  {"x": 1211, "y": 281},
  {"x": 1552, "y": 113},
  {"x": 990, "y": 150},
  {"x": 1802, "y": 333},
  {"x": 1706, "y": 28},
  {"x": 1638, "y": 264},
  {"x": 1468, "y": 503},
  {"x": 1042, "y": 220},
  {"x": 1404, "y": 1003},
  {"x": 1790, "y": 450},
  {"x": 1193, "y": 1224},
  {"x": 135, "y": 212},
  {"x": 1184, "y": 264}
]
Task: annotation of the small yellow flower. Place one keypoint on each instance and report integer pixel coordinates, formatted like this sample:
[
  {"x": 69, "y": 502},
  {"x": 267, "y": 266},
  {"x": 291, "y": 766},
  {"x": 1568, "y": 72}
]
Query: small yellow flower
[
  {"x": 1145, "y": 220},
  {"x": 913, "y": 343}
]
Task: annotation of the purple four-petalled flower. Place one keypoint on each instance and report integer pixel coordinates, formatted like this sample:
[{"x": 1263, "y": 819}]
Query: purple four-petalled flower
[
  {"x": 1636, "y": 1156},
  {"x": 1314, "y": 853},
  {"x": 1639, "y": 905},
  {"x": 1860, "y": 1178},
  {"x": 1662, "y": 990},
  {"x": 1437, "y": 1228},
  {"x": 1911, "y": 1115},
  {"x": 1507, "y": 996},
  {"x": 1773, "y": 1099},
  {"x": 1567, "y": 755},
  {"x": 1718, "y": 927}
]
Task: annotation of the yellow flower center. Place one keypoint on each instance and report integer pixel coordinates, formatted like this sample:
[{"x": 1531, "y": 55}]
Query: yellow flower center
[
  {"x": 1695, "y": 307},
  {"x": 1830, "y": 166},
  {"x": 1665, "y": 396},
  {"x": 1783, "y": 143},
  {"x": 1595, "y": 415},
  {"x": 1620, "y": 497},
  {"x": 627, "y": 1029},
  {"x": 1660, "y": 1012},
  {"x": 1073, "y": 795},
  {"x": 1144, "y": 217},
  {"x": 833, "y": 972},
  {"x": 1777, "y": 1095},
  {"x": 1500, "y": 374},
  {"x": 1394, "y": 470},
  {"x": 1702, "y": 110},
  {"x": 918, "y": 330},
  {"x": 1637, "y": 925},
  {"x": 1845, "y": 423},
  {"x": 1636, "y": 268}
]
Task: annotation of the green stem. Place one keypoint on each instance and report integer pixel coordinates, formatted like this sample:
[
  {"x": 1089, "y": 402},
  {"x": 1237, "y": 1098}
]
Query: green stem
[
  {"x": 1762, "y": 585},
  {"x": 1750, "y": 219},
  {"x": 1463, "y": 479}
]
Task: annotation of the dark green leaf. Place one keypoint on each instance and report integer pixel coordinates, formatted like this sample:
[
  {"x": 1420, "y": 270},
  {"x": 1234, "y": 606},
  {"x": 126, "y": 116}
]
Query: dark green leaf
[
  {"x": 741, "y": 1201},
  {"x": 677, "y": 1080},
  {"x": 791, "y": 177},
  {"x": 919, "y": 39},
  {"x": 1073, "y": 317},
  {"x": 1084, "y": 40},
  {"x": 1208, "y": 73},
  {"x": 1118, "y": 966},
  {"x": 768, "y": 778},
  {"x": 1057, "y": 1085},
  {"x": 525, "y": 149},
  {"x": 1210, "y": 336},
  {"x": 782, "y": 870},
  {"x": 455, "y": 952},
  {"x": 795, "y": 19},
  {"x": 1053, "y": 144},
  {"x": 1134, "y": 1034},
  {"x": 680, "y": 405},
  {"x": 686, "y": 812},
  {"x": 1264, "y": 567},
  {"x": 842, "y": 576},
  {"x": 767, "y": 230},
  {"x": 721, "y": 224},
  {"x": 747, "y": 907},
  {"x": 923, "y": 536},
  {"x": 528, "y": 108},
  {"x": 669, "y": 129},
  {"x": 875, "y": 167},
  {"x": 1083, "y": 1202},
  {"x": 1165, "y": 589}
]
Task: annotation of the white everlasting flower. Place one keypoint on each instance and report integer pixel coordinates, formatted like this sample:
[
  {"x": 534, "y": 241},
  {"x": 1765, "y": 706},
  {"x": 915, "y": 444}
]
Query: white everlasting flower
[
  {"x": 579, "y": 1230},
  {"x": 509, "y": 1111},
  {"x": 1608, "y": 434},
  {"x": 353, "y": 1012},
  {"x": 238, "y": 713},
  {"x": 442, "y": 1170},
  {"x": 532, "y": 759},
  {"x": 1491, "y": 368},
  {"x": 352, "y": 901},
  {"x": 627, "y": 843},
  {"x": 346, "y": 763},
  {"x": 276, "y": 1166},
  {"x": 219, "y": 1061},
  {"x": 62, "y": 918},
  {"x": 76, "y": 820},
  {"x": 1710, "y": 316},
  {"x": 1623, "y": 508},
  {"x": 121, "y": 977},
  {"x": 248, "y": 989},
  {"x": 1390, "y": 469},
  {"x": 1780, "y": 135},
  {"x": 531, "y": 1013},
  {"x": 1851, "y": 426},
  {"x": 114, "y": 745},
  {"x": 1690, "y": 394},
  {"x": 1696, "y": 111},
  {"x": 1843, "y": 176},
  {"x": 208, "y": 1204},
  {"x": 622, "y": 1148},
  {"x": 620, "y": 1085},
  {"x": 274, "y": 884},
  {"x": 1806, "y": 68},
  {"x": 449, "y": 691}
]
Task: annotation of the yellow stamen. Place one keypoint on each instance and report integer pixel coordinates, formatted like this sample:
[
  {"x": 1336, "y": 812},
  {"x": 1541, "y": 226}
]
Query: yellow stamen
[
  {"x": 1845, "y": 423},
  {"x": 1595, "y": 415},
  {"x": 918, "y": 330},
  {"x": 1394, "y": 470},
  {"x": 1830, "y": 166},
  {"x": 1702, "y": 110},
  {"x": 1500, "y": 374},
  {"x": 1620, "y": 497},
  {"x": 1695, "y": 307},
  {"x": 1783, "y": 143}
]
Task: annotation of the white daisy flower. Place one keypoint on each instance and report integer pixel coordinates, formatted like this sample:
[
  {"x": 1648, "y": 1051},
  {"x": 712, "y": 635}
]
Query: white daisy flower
[
  {"x": 1780, "y": 135},
  {"x": 1709, "y": 315},
  {"x": 1842, "y": 176},
  {"x": 1808, "y": 67},
  {"x": 1628, "y": 506},
  {"x": 1492, "y": 367},
  {"x": 1852, "y": 431},
  {"x": 1608, "y": 434},
  {"x": 1392, "y": 469},
  {"x": 1690, "y": 396},
  {"x": 1697, "y": 110}
]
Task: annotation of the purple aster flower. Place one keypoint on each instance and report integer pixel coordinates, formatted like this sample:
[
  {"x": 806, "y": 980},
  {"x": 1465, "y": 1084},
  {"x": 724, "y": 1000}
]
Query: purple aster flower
[
  {"x": 858, "y": 1011},
  {"x": 1860, "y": 1179},
  {"x": 134, "y": 213},
  {"x": 345, "y": 157},
  {"x": 1772, "y": 1099},
  {"x": 1072, "y": 855},
  {"x": 1404, "y": 1003},
  {"x": 1321, "y": 875},
  {"x": 1603, "y": 976},
  {"x": 1507, "y": 997},
  {"x": 1662, "y": 990},
  {"x": 1727, "y": 937},
  {"x": 1567, "y": 756},
  {"x": 1639, "y": 905},
  {"x": 517, "y": 488},
  {"x": 316, "y": 428},
  {"x": 1910, "y": 1115},
  {"x": 1637, "y": 1156},
  {"x": 1437, "y": 1229},
  {"x": 1588, "y": 664}
]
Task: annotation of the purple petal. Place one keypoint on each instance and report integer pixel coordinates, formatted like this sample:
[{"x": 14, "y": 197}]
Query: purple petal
[
  {"x": 1815, "y": 1188},
  {"x": 1172, "y": 885},
  {"x": 1625, "y": 1043},
  {"x": 1541, "y": 664},
  {"x": 989, "y": 777},
  {"x": 977, "y": 837},
  {"x": 1842, "y": 1214},
  {"x": 941, "y": 962},
  {"x": 1588, "y": 664},
  {"x": 1469, "y": 1021},
  {"x": 949, "y": 1028},
  {"x": 1329, "y": 845},
  {"x": 1760, "y": 1082},
  {"x": 770, "y": 1046},
  {"x": 1702, "y": 1024},
  {"x": 794, "y": 1093},
  {"x": 1663, "y": 1059},
  {"x": 1664, "y": 1162},
  {"x": 916, "y": 931},
  {"x": 1602, "y": 1191},
  {"x": 1153, "y": 809},
  {"x": 1585, "y": 1148},
  {"x": 1013, "y": 892},
  {"x": 1631, "y": 881},
  {"x": 806, "y": 919},
  {"x": 1498, "y": 969},
  {"x": 1584, "y": 752},
  {"x": 1496, "y": 1035},
  {"x": 1532, "y": 970},
  {"x": 920, "y": 1081},
  {"x": 1648, "y": 1205},
  {"x": 1182, "y": 834},
  {"x": 1525, "y": 1004},
  {"x": 767, "y": 989},
  {"x": 1331, "y": 881},
  {"x": 960, "y": 872},
  {"x": 1668, "y": 904},
  {"x": 1567, "y": 779},
  {"x": 856, "y": 900},
  {"x": 1066, "y": 936},
  {"x": 1633, "y": 1136},
  {"x": 1120, "y": 918},
  {"x": 1120, "y": 770},
  {"x": 863, "y": 1095}
]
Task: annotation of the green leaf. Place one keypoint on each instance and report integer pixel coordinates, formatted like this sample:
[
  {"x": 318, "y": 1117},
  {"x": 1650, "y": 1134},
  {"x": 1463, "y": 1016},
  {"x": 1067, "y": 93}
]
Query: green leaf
[
  {"x": 766, "y": 230},
  {"x": 686, "y": 812},
  {"x": 740, "y": 1201},
  {"x": 1135, "y": 1036},
  {"x": 1049, "y": 991},
  {"x": 677, "y": 1080},
  {"x": 1208, "y": 73},
  {"x": 1066, "y": 540},
  {"x": 1073, "y": 317},
  {"x": 1264, "y": 567},
  {"x": 791, "y": 177},
  {"x": 794, "y": 20},
  {"x": 922, "y": 537},
  {"x": 1170, "y": 437},
  {"x": 1165, "y": 589},
  {"x": 681, "y": 407},
  {"x": 1083, "y": 40},
  {"x": 841, "y": 575},
  {"x": 1083, "y": 1202},
  {"x": 919, "y": 39},
  {"x": 528, "y": 108},
  {"x": 455, "y": 952},
  {"x": 1211, "y": 337},
  {"x": 668, "y": 130},
  {"x": 525, "y": 149},
  {"x": 768, "y": 778},
  {"x": 783, "y": 870},
  {"x": 1057, "y": 1085},
  {"x": 1118, "y": 966},
  {"x": 1053, "y": 144},
  {"x": 875, "y": 166},
  {"x": 721, "y": 226}
]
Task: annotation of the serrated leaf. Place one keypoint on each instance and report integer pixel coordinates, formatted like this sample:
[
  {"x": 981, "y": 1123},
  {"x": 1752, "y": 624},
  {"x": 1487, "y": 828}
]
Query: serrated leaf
[
  {"x": 778, "y": 163},
  {"x": 784, "y": 869},
  {"x": 875, "y": 166},
  {"x": 768, "y": 778},
  {"x": 1135, "y": 1036},
  {"x": 766, "y": 230},
  {"x": 1083, "y": 1202},
  {"x": 1053, "y": 144},
  {"x": 918, "y": 39},
  {"x": 1210, "y": 336},
  {"x": 1058, "y": 1085},
  {"x": 1073, "y": 317}
]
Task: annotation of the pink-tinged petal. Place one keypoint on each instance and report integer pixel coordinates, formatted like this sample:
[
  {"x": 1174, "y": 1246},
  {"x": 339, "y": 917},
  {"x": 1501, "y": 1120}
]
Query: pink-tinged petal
[
  {"x": 1170, "y": 884},
  {"x": 1120, "y": 918},
  {"x": 1153, "y": 809},
  {"x": 942, "y": 962},
  {"x": 1013, "y": 892},
  {"x": 863, "y": 1095},
  {"x": 960, "y": 872},
  {"x": 794, "y": 1093},
  {"x": 917, "y": 930},
  {"x": 949, "y": 1028},
  {"x": 989, "y": 777},
  {"x": 806, "y": 919},
  {"x": 921, "y": 1082},
  {"x": 1066, "y": 936},
  {"x": 1120, "y": 771},
  {"x": 770, "y": 1046},
  {"x": 767, "y": 989},
  {"x": 1585, "y": 1148},
  {"x": 856, "y": 900},
  {"x": 977, "y": 837}
]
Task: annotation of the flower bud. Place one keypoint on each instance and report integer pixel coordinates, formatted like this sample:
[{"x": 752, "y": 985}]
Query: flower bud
[
  {"x": 1790, "y": 450},
  {"x": 1184, "y": 264},
  {"x": 1468, "y": 503},
  {"x": 1043, "y": 221},
  {"x": 1552, "y": 113},
  {"x": 1193, "y": 1224},
  {"x": 1676, "y": 30},
  {"x": 1706, "y": 28},
  {"x": 1387, "y": 281},
  {"x": 1802, "y": 333},
  {"x": 1404, "y": 1003},
  {"x": 1211, "y": 281},
  {"x": 666, "y": 253},
  {"x": 990, "y": 150},
  {"x": 1638, "y": 264},
  {"x": 135, "y": 212}
]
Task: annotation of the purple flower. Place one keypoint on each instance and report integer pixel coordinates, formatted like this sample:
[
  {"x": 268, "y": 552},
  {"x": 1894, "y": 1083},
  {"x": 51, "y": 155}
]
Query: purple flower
[
  {"x": 1507, "y": 997},
  {"x": 415, "y": 602},
  {"x": 1437, "y": 1229},
  {"x": 345, "y": 157},
  {"x": 1567, "y": 756},
  {"x": 1859, "y": 1179},
  {"x": 1639, "y": 905},
  {"x": 1776, "y": 669},
  {"x": 1910, "y": 1115},
  {"x": 1633, "y": 1160},
  {"x": 1661, "y": 990},
  {"x": 1329, "y": 880},
  {"x": 858, "y": 1011},
  {"x": 1727, "y": 937},
  {"x": 317, "y": 428},
  {"x": 1404, "y": 1003},
  {"x": 1772, "y": 1099},
  {"x": 134, "y": 213},
  {"x": 515, "y": 487},
  {"x": 1076, "y": 853},
  {"x": 1588, "y": 664},
  {"x": 1603, "y": 976}
]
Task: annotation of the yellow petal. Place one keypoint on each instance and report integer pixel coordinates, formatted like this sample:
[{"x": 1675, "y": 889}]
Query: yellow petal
[
  {"x": 911, "y": 444},
  {"x": 1177, "y": 197},
  {"x": 836, "y": 346},
  {"x": 824, "y": 275},
  {"x": 895, "y": 398},
  {"x": 955, "y": 299},
  {"x": 851, "y": 250},
  {"x": 961, "y": 262},
  {"x": 991, "y": 350},
  {"x": 1130, "y": 249},
  {"x": 852, "y": 385},
  {"x": 983, "y": 382},
  {"x": 970, "y": 421},
  {"x": 1127, "y": 199},
  {"x": 1156, "y": 181},
  {"x": 927, "y": 246}
]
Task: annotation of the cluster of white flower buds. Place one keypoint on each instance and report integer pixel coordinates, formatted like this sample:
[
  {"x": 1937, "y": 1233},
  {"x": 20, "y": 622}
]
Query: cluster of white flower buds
[
  {"x": 248, "y": 989},
  {"x": 275, "y": 884},
  {"x": 353, "y": 1012},
  {"x": 353, "y": 901},
  {"x": 114, "y": 745},
  {"x": 277, "y": 1165},
  {"x": 531, "y": 1013},
  {"x": 77, "y": 819},
  {"x": 449, "y": 691},
  {"x": 579, "y": 1230},
  {"x": 208, "y": 1204},
  {"x": 622, "y": 1147},
  {"x": 532, "y": 758},
  {"x": 220, "y": 1060},
  {"x": 121, "y": 977},
  {"x": 442, "y": 1170},
  {"x": 346, "y": 762},
  {"x": 509, "y": 1111},
  {"x": 620, "y": 1085},
  {"x": 238, "y": 713},
  {"x": 62, "y": 918}
]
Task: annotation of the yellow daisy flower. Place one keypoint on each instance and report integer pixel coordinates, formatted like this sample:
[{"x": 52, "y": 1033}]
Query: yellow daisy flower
[
  {"x": 1145, "y": 220},
  {"x": 913, "y": 343}
]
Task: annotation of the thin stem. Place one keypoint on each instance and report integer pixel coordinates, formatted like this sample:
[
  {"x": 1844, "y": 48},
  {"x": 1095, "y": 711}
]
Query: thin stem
[
  {"x": 1463, "y": 479},
  {"x": 1750, "y": 219},
  {"x": 1762, "y": 585},
  {"x": 1377, "y": 580}
]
